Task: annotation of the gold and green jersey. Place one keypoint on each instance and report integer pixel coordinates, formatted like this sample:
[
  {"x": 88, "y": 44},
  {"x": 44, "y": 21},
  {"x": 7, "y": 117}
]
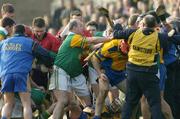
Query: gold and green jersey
[
  {"x": 3, "y": 33},
  {"x": 69, "y": 54}
]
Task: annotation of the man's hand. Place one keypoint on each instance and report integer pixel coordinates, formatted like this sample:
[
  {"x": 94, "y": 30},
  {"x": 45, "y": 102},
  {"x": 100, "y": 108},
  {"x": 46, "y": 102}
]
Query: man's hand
[
  {"x": 171, "y": 33},
  {"x": 110, "y": 36}
]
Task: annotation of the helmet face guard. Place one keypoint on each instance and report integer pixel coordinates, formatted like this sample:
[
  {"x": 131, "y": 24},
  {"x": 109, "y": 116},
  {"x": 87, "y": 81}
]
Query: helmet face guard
[{"x": 116, "y": 105}]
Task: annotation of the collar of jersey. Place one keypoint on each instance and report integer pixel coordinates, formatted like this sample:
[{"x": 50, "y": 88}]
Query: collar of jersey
[{"x": 4, "y": 30}]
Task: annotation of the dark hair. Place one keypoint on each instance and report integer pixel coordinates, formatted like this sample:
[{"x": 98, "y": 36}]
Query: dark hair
[
  {"x": 132, "y": 19},
  {"x": 38, "y": 22},
  {"x": 150, "y": 21},
  {"x": 7, "y": 22},
  {"x": 19, "y": 29},
  {"x": 153, "y": 13},
  {"x": 92, "y": 23},
  {"x": 76, "y": 12},
  {"x": 7, "y": 8},
  {"x": 72, "y": 24}
]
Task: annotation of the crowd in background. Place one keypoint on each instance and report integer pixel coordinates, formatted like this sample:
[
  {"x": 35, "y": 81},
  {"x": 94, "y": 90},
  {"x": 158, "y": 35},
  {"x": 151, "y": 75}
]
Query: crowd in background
[{"x": 118, "y": 10}]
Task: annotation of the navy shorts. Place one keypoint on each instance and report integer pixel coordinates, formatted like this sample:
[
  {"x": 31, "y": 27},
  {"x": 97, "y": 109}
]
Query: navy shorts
[
  {"x": 115, "y": 77},
  {"x": 14, "y": 82}
]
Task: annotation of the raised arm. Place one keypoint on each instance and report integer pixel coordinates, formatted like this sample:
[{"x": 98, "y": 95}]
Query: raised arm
[
  {"x": 96, "y": 40},
  {"x": 123, "y": 34}
]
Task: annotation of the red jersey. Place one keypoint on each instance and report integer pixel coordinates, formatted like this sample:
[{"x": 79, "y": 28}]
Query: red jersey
[
  {"x": 48, "y": 42},
  {"x": 86, "y": 33}
]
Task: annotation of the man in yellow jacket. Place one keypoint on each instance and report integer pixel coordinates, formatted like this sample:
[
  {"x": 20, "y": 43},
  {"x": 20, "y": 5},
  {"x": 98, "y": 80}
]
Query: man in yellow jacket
[{"x": 142, "y": 67}]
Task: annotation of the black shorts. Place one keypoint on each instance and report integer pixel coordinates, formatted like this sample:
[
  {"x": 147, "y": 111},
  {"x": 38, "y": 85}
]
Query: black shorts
[{"x": 40, "y": 78}]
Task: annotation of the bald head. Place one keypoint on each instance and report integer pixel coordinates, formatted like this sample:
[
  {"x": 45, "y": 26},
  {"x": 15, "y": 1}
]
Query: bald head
[{"x": 149, "y": 21}]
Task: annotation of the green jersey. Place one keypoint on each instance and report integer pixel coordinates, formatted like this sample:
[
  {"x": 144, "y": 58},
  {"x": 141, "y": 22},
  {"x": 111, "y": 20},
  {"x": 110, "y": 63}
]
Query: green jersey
[{"x": 69, "y": 54}]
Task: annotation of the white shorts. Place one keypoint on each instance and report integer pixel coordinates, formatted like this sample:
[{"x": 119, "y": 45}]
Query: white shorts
[
  {"x": 60, "y": 80},
  {"x": 93, "y": 75}
]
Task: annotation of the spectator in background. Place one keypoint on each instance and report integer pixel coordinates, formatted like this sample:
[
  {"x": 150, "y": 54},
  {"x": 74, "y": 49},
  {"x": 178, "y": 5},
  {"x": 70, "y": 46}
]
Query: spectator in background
[
  {"x": 126, "y": 7},
  {"x": 132, "y": 11},
  {"x": 124, "y": 19},
  {"x": 52, "y": 31},
  {"x": 102, "y": 24},
  {"x": 119, "y": 6},
  {"x": 56, "y": 21},
  {"x": 132, "y": 21},
  {"x": 47, "y": 22},
  {"x": 70, "y": 6},
  {"x": 144, "y": 6},
  {"x": 7, "y": 10},
  {"x": 112, "y": 9},
  {"x": 65, "y": 21},
  {"x": 90, "y": 9},
  {"x": 94, "y": 17},
  {"x": 48, "y": 25},
  {"x": 176, "y": 13},
  {"x": 82, "y": 7}
]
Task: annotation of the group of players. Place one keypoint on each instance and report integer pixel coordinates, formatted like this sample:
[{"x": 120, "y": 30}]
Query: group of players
[{"x": 133, "y": 60}]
